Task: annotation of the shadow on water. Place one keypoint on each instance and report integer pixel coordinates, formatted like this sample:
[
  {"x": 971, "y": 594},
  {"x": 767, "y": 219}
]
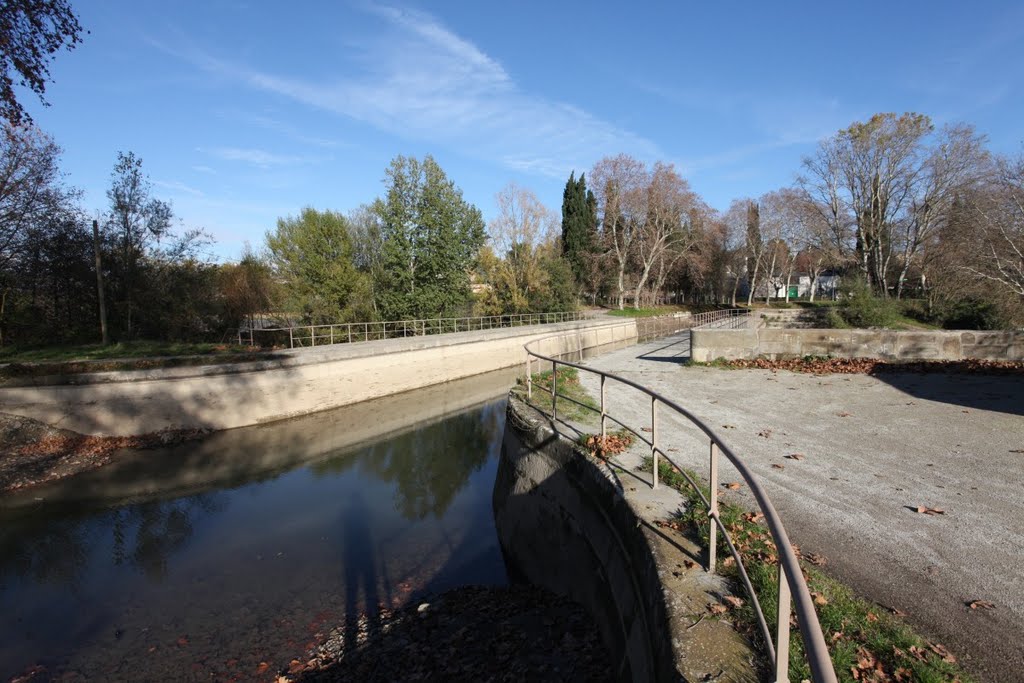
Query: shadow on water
[{"x": 220, "y": 556}]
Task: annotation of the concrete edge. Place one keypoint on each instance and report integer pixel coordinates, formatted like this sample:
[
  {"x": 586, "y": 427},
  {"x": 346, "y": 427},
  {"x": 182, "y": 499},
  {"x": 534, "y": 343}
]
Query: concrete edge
[{"x": 667, "y": 626}]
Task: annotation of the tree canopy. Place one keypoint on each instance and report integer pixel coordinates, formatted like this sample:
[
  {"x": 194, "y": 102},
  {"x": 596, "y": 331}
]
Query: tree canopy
[
  {"x": 31, "y": 33},
  {"x": 430, "y": 238}
]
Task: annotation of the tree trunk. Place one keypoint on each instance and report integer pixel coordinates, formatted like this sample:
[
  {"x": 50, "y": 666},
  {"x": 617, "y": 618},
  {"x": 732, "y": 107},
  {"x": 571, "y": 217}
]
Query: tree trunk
[{"x": 104, "y": 334}]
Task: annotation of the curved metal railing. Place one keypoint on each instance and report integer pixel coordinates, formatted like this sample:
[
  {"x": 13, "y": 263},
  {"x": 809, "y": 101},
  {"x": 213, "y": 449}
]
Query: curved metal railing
[{"x": 792, "y": 587}]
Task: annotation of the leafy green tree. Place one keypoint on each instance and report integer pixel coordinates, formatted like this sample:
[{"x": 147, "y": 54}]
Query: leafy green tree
[
  {"x": 313, "y": 254},
  {"x": 430, "y": 239},
  {"x": 31, "y": 32},
  {"x": 134, "y": 222}
]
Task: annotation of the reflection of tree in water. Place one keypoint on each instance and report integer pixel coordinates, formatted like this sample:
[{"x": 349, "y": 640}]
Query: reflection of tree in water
[
  {"x": 56, "y": 546},
  {"x": 429, "y": 465}
]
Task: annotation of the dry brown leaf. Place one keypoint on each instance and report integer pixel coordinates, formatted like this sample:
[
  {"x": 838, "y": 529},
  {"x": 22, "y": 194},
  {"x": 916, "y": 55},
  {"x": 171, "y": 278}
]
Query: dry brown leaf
[
  {"x": 732, "y": 485},
  {"x": 981, "y": 604},
  {"x": 843, "y": 414},
  {"x": 816, "y": 559},
  {"x": 728, "y": 426},
  {"x": 728, "y": 562},
  {"x": 819, "y": 599},
  {"x": 872, "y": 617},
  {"x": 689, "y": 564},
  {"x": 941, "y": 651},
  {"x": 717, "y": 608},
  {"x": 732, "y": 601},
  {"x": 925, "y": 510},
  {"x": 777, "y": 466},
  {"x": 897, "y": 611},
  {"x": 795, "y": 456}
]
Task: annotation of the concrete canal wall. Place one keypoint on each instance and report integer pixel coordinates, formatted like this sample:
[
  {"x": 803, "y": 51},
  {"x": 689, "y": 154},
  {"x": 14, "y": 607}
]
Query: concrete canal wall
[{"x": 295, "y": 382}]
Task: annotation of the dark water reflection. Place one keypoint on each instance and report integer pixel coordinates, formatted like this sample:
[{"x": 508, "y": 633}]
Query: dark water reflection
[{"x": 144, "y": 573}]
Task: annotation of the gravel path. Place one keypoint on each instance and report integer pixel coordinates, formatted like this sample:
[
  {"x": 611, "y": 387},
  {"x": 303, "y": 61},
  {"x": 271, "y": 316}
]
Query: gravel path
[{"x": 874, "y": 449}]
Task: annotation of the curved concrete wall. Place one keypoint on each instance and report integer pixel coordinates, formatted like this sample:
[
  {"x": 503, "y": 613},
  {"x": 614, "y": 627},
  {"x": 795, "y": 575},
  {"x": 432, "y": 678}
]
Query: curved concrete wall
[
  {"x": 564, "y": 525},
  {"x": 295, "y": 383}
]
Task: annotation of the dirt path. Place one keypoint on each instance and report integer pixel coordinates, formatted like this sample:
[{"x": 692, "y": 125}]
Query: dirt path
[{"x": 874, "y": 449}]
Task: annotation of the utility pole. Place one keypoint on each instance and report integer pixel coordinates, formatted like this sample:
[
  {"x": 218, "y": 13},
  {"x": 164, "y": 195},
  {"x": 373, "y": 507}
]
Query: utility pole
[{"x": 99, "y": 281}]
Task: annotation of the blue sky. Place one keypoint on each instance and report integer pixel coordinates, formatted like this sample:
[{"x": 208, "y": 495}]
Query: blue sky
[{"x": 247, "y": 111}]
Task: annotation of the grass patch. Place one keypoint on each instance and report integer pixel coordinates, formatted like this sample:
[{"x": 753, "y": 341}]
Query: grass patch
[
  {"x": 866, "y": 642},
  {"x": 135, "y": 349},
  {"x": 570, "y": 394}
]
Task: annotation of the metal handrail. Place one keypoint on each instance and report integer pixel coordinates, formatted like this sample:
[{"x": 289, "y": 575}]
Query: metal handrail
[
  {"x": 791, "y": 581},
  {"x": 730, "y": 318},
  {"x": 345, "y": 333}
]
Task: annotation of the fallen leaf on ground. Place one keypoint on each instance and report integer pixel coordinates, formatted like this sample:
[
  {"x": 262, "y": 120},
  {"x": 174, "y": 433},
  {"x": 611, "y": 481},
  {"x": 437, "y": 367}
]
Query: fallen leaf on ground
[
  {"x": 732, "y": 485},
  {"x": 843, "y": 414},
  {"x": 819, "y": 599},
  {"x": 777, "y": 466},
  {"x": 795, "y": 456},
  {"x": 717, "y": 608},
  {"x": 1017, "y": 450},
  {"x": 941, "y": 651},
  {"x": 816, "y": 559},
  {"x": 925, "y": 510},
  {"x": 645, "y": 429},
  {"x": 871, "y": 616},
  {"x": 689, "y": 564},
  {"x": 981, "y": 604},
  {"x": 728, "y": 426},
  {"x": 733, "y": 601}
]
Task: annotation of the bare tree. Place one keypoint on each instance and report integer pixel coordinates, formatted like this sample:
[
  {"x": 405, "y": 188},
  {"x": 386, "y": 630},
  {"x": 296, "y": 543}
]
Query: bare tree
[
  {"x": 666, "y": 234},
  {"x": 523, "y": 223},
  {"x": 990, "y": 232},
  {"x": 30, "y": 187},
  {"x": 620, "y": 185},
  {"x": 867, "y": 176}
]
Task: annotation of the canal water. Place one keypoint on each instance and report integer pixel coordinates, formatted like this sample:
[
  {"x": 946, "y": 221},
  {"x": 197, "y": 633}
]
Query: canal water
[{"x": 226, "y": 558}]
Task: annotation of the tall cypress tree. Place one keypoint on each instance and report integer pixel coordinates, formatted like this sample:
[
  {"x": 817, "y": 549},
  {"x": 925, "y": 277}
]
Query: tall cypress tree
[{"x": 579, "y": 226}]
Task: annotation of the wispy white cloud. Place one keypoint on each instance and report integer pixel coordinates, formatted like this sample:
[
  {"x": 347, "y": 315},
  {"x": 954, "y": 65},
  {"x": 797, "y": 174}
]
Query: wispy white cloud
[
  {"x": 257, "y": 157},
  {"x": 286, "y": 129},
  {"x": 204, "y": 169},
  {"x": 420, "y": 80},
  {"x": 178, "y": 186}
]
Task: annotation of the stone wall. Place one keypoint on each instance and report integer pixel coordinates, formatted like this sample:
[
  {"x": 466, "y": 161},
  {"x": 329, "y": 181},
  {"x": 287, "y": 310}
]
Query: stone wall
[
  {"x": 707, "y": 345},
  {"x": 295, "y": 382}
]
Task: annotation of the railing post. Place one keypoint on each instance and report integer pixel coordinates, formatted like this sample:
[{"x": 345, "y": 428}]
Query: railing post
[
  {"x": 350, "y": 333},
  {"x": 332, "y": 334},
  {"x": 782, "y": 629},
  {"x": 713, "y": 510},
  {"x": 554, "y": 391},
  {"x": 312, "y": 336},
  {"x": 529, "y": 378},
  {"x": 604, "y": 415},
  {"x": 654, "y": 438},
  {"x": 291, "y": 337},
  {"x": 366, "y": 331}
]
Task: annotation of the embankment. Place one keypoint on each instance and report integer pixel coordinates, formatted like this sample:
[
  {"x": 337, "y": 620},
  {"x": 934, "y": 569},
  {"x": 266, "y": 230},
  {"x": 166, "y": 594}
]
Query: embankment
[{"x": 299, "y": 382}]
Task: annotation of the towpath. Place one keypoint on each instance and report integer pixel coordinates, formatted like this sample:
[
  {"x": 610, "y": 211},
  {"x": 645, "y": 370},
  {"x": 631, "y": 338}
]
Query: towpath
[{"x": 874, "y": 449}]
